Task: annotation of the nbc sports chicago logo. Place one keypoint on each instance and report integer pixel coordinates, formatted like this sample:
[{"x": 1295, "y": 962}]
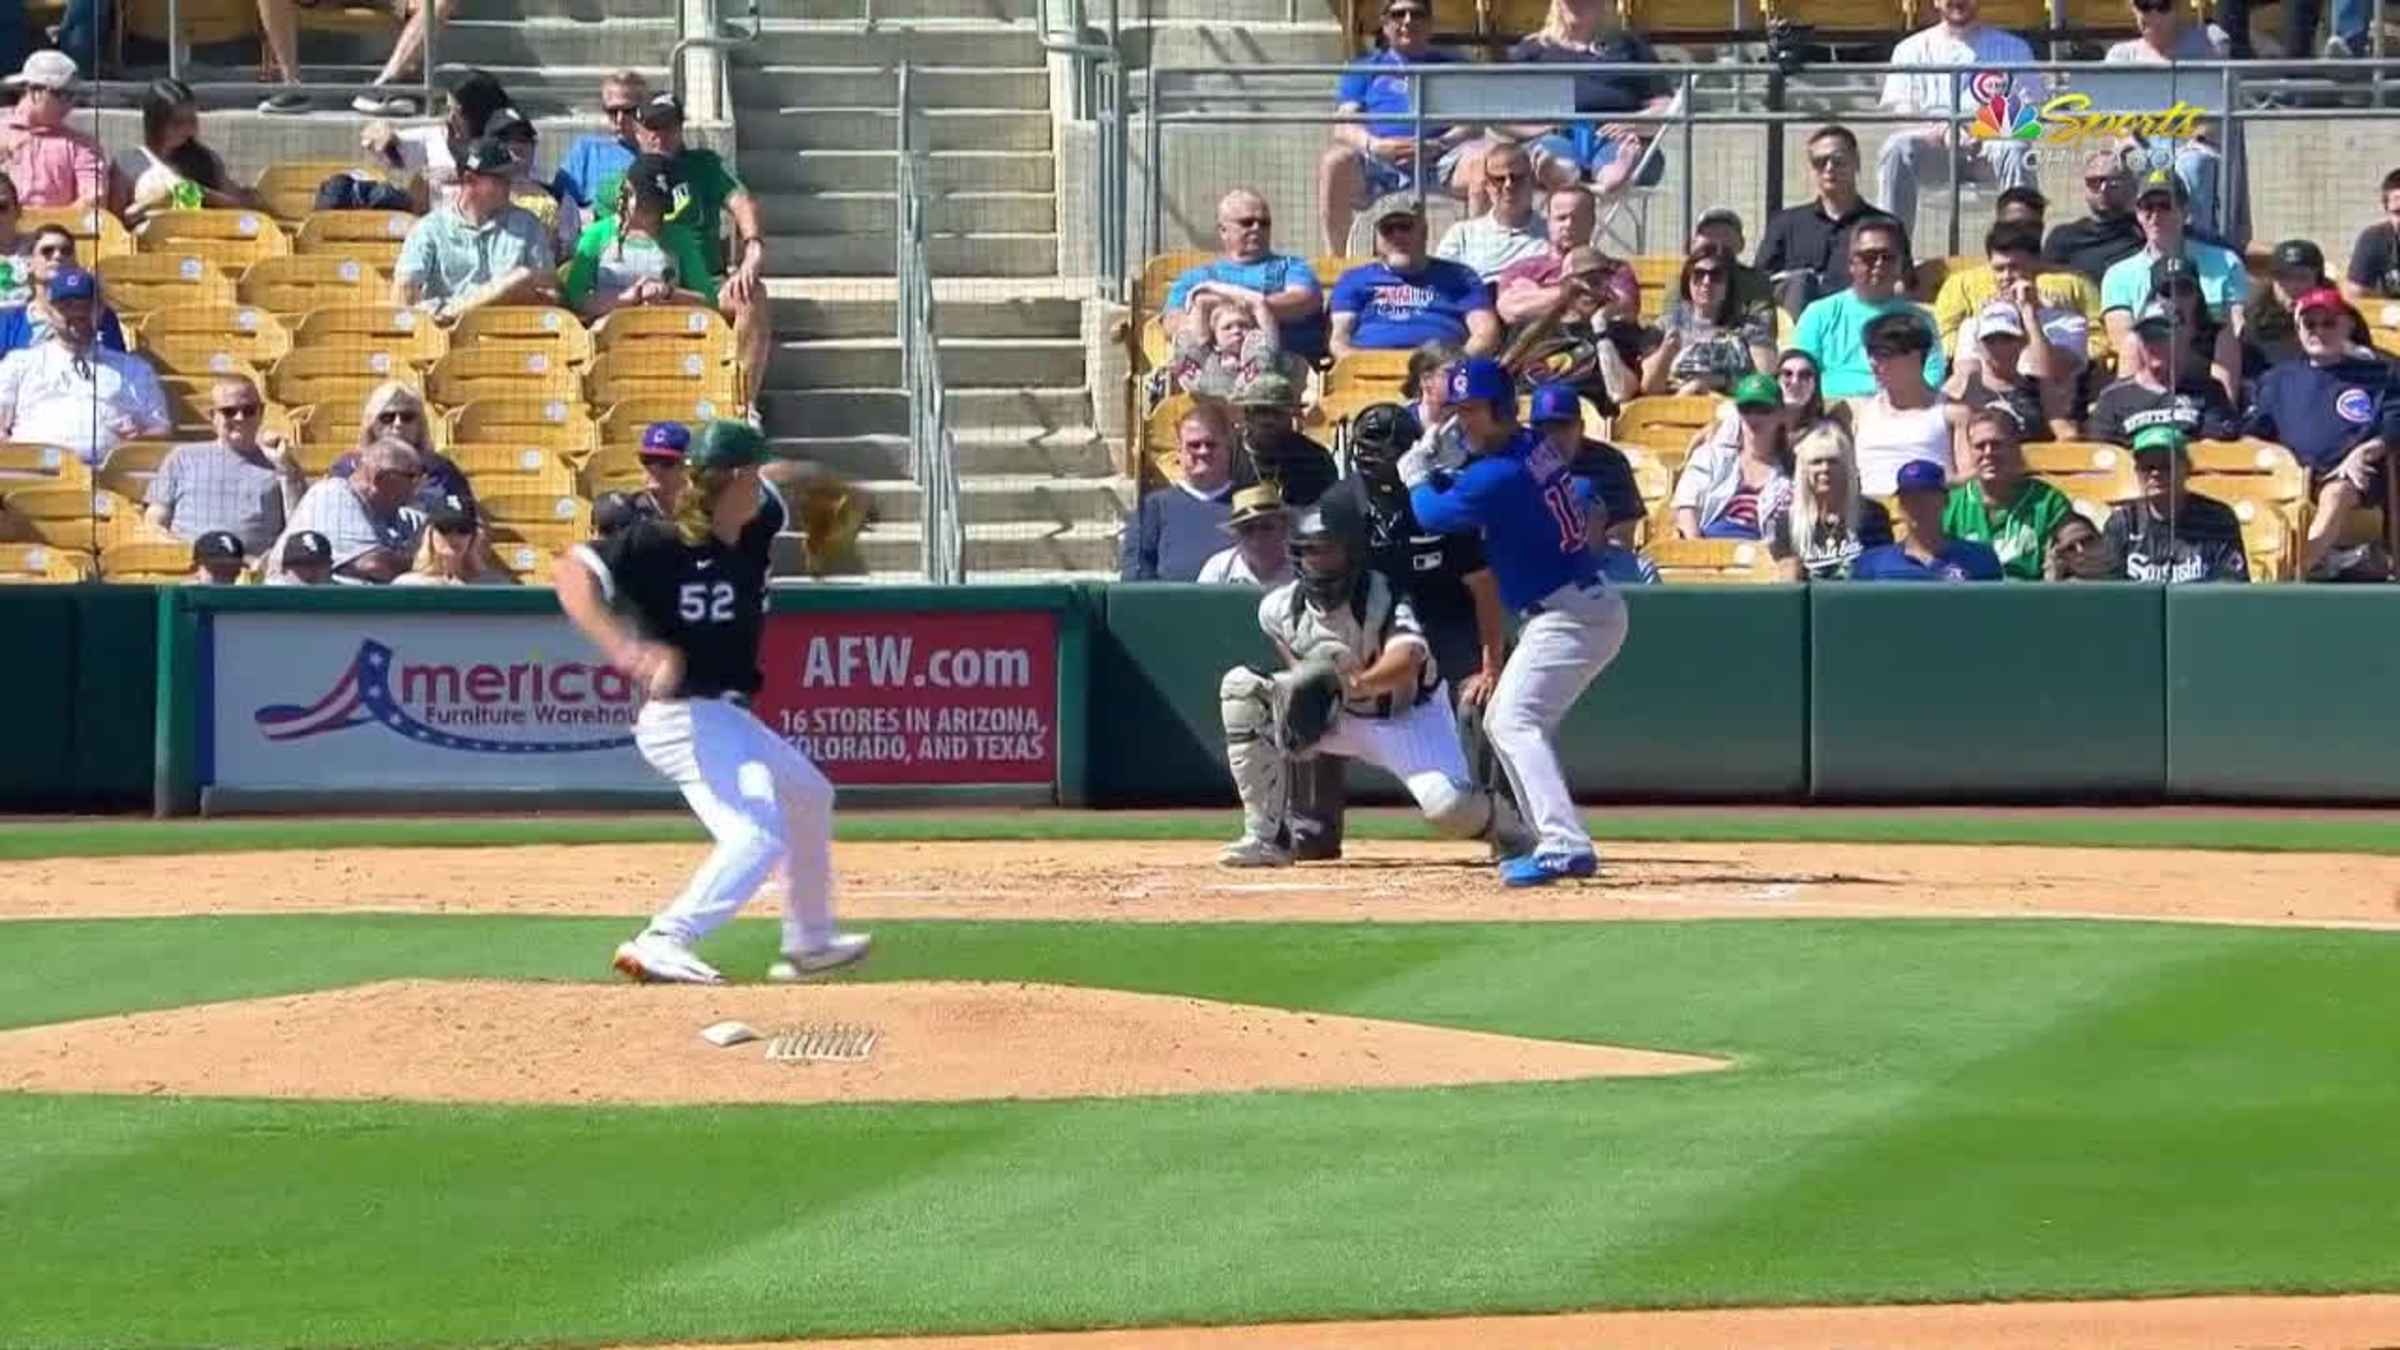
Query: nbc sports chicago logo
[
  {"x": 520, "y": 708},
  {"x": 2018, "y": 108}
]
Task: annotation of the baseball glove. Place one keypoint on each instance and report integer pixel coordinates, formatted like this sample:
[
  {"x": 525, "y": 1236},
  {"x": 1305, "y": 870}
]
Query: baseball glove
[
  {"x": 1312, "y": 694},
  {"x": 827, "y": 512}
]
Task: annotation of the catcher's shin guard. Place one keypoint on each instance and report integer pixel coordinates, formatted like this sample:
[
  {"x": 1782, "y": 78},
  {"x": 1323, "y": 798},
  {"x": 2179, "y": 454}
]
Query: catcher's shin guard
[
  {"x": 1246, "y": 700},
  {"x": 1318, "y": 797}
]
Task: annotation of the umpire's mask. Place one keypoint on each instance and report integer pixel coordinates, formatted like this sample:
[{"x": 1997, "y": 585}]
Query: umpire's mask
[{"x": 1379, "y": 436}]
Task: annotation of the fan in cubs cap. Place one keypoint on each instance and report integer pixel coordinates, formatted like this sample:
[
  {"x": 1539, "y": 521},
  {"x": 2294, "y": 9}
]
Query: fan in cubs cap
[
  {"x": 724, "y": 444},
  {"x": 665, "y": 440}
]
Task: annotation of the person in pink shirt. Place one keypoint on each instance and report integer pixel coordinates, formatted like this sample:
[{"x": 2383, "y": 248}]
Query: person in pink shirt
[{"x": 51, "y": 163}]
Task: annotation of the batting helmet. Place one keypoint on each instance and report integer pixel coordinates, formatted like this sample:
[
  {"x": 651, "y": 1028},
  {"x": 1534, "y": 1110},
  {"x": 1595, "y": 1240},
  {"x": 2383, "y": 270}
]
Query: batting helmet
[{"x": 1482, "y": 378}]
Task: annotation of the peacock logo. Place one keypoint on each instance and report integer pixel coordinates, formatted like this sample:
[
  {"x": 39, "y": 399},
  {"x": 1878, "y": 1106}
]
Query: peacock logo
[{"x": 2001, "y": 113}]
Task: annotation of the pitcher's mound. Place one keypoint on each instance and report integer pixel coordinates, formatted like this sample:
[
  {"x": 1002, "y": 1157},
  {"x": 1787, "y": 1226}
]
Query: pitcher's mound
[{"x": 495, "y": 1041}]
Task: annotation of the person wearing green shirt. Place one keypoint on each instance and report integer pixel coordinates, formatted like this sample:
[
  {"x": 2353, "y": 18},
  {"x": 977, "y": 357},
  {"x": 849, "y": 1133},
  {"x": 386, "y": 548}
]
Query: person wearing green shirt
[
  {"x": 2002, "y": 504},
  {"x": 710, "y": 195},
  {"x": 636, "y": 255}
]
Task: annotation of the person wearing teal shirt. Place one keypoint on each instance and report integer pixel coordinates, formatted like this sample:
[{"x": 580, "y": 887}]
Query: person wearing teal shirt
[{"x": 1833, "y": 330}]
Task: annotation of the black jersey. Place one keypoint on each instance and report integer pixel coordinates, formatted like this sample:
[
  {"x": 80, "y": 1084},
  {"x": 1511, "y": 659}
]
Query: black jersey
[
  {"x": 1428, "y": 570},
  {"x": 707, "y": 602}
]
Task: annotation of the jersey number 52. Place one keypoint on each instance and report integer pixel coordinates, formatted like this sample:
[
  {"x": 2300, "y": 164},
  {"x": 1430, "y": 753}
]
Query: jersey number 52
[
  {"x": 705, "y": 602},
  {"x": 1574, "y": 534}
]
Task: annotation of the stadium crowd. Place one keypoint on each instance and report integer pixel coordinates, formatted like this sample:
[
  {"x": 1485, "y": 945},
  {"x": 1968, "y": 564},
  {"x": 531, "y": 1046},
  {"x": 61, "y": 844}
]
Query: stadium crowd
[
  {"x": 425, "y": 367},
  {"x": 2131, "y": 393}
]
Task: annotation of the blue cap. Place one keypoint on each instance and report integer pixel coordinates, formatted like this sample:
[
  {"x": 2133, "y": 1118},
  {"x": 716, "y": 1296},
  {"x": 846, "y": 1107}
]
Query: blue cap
[
  {"x": 1556, "y": 403},
  {"x": 665, "y": 440},
  {"x": 1922, "y": 475},
  {"x": 73, "y": 283},
  {"x": 1481, "y": 377}
]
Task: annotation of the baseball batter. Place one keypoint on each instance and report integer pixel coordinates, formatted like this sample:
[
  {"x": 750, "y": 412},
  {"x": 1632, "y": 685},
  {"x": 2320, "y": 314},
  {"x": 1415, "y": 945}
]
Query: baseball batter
[
  {"x": 1533, "y": 516},
  {"x": 1358, "y": 680},
  {"x": 678, "y": 605}
]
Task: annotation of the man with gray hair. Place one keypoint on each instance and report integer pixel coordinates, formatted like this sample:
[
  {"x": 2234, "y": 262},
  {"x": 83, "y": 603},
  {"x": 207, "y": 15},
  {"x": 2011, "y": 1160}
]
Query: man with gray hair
[
  {"x": 241, "y": 482},
  {"x": 1249, "y": 263},
  {"x": 367, "y": 517},
  {"x": 593, "y": 161}
]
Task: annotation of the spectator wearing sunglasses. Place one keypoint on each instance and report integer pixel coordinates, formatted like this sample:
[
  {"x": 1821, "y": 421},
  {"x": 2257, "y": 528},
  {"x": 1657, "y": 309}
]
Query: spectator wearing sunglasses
[
  {"x": 368, "y": 515},
  {"x": 242, "y": 482},
  {"x": 26, "y": 325},
  {"x": 453, "y": 551},
  {"x": 2159, "y": 205},
  {"x": 1833, "y": 330},
  {"x": 1507, "y": 233},
  {"x": 1249, "y": 265},
  {"x": 2334, "y": 407},
  {"x": 1805, "y": 252},
  {"x": 1383, "y": 156},
  {"x": 1707, "y": 340},
  {"x": 595, "y": 159},
  {"x": 393, "y": 411},
  {"x": 1405, "y": 298}
]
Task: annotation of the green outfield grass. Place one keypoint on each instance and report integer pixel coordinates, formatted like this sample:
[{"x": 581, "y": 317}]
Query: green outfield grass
[
  {"x": 2262, "y": 832},
  {"x": 1921, "y": 1109}
]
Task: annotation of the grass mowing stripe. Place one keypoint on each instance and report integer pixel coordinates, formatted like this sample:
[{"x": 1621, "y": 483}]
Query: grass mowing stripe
[{"x": 2266, "y": 832}]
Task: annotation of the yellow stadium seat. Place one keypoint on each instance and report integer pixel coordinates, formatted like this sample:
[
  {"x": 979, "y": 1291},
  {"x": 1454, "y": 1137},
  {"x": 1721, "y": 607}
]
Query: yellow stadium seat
[
  {"x": 1505, "y": 21},
  {"x": 561, "y": 424},
  {"x": 188, "y": 395},
  {"x": 74, "y": 517},
  {"x": 395, "y": 328},
  {"x": 44, "y": 562},
  {"x": 211, "y": 339},
  {"x": 1727, "y": 560},
  {"x": 529, "y": 328},
  {"x": 529, "y": 564},
  {"x": 204, "y": 22},
  {"x": 2096, "y": 18},
  {"x": 1159, "y": 273},
  {"x": 626, "y": 418},
  {"x": 98, "y": 234},
  {"x": 2271, "y": 507},
  {"x": 687, "y": 326},
  {"x": 1329, "y": 268},
  {"x": 2251, "y": 457},
  {"x": 229, "y": 240},
  {"x": 1663, "y": 421},
  {"x": 1656, "y": 273},
  {"x": 337, "y": 375},
  {"x": 294, "y": 286},
  {"x": 139, "y": 283},
  {"x": 289, "y": 187},
  {"x": 615, "y": 467},
  {"x": 149, "y": 555},
  {"x": 2093, "y": 474},
  {"x": 476, "y": 371},
  {"x": 1159, "y": 441},
  {"x": 128, "y": 468},
  {"x": 1339, "y": 406},
  {"x": 1845, "y": 18},
  {"x": 553, "y": 520},
  {"x": 636, "y": 372},
  {"x": 23, "y": 464},
  {"x": 1384, "y": 371},
  {"x": 369, "y": 238},
  {"x": 500, "y": 466}
]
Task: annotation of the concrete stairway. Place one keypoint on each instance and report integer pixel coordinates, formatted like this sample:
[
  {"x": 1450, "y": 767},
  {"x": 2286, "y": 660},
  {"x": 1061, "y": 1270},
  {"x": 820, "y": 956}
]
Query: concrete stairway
[{"x": 814, "y": 120}]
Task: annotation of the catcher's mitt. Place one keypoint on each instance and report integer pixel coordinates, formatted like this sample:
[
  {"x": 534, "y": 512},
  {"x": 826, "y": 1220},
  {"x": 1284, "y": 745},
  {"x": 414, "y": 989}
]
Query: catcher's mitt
[
  {"x": 1312, "y": 694},
  {"x": 828, "y": 511}
]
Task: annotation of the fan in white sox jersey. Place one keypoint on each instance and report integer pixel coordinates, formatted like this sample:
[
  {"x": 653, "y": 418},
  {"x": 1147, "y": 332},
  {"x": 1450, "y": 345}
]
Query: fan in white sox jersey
[{"x": 678, "y": 605}]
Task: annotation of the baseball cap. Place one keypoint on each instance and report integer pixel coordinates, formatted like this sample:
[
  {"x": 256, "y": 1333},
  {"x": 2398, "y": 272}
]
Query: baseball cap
[
  {"x": 1267, "y": 391},
  {"x": 1999, "y": 320},
  {"x": 452, "y": 516},
  {"x": 1922, "y": 475},
  {"x": 2161, "y": 180},
  {"x": 1253, "y": 503},
  {"x": 1556, "y": 402},
  {"x": 510, "y": 122},
  {"x": 308, "y": 546},
  {"x": 1757, "y": 391},
  {"x": 665, "y": 440},
  {"x": 727, "y": 445},
  {"x": 46, "y": 70},
  {"x": 1404, "y": 210},
  {"x": 489, "y": 155},
  {"x": 2299, "y": 255},
  {"x": 656, "y": 176},
  {"x": 2160, "y": 436},
  {"x": 73, "y": 283},
  {"x": 1718, "y": 215},
  {"x": 661, "y": 110},
  {"x": 2157, "y": 315},
  {"x": 217, "y": 546},
  {"x": 1481, "y": 377},
  {"x": 2173, "y": 270},
  {"x": 2323, "y": 297}
]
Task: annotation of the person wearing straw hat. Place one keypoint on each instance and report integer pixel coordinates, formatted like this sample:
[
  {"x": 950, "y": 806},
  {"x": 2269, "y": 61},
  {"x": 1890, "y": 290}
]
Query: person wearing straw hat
[{"x": 1260, "y": 553}]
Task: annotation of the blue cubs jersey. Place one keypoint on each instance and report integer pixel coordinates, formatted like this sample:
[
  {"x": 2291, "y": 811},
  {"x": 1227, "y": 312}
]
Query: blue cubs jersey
[{"x": 1530, "y": 511}]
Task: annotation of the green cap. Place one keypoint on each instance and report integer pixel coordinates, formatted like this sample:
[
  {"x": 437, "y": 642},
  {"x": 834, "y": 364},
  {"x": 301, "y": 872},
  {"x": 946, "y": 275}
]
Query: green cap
[
  {"x": 724, "y": 444},
  {"x": 2162, "y": 436},
  {"x": 1757, "y": 391}
]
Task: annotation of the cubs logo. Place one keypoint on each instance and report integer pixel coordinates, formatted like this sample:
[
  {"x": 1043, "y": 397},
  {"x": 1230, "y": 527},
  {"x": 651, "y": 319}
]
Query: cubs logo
[{"x": 2355, "y": 407}]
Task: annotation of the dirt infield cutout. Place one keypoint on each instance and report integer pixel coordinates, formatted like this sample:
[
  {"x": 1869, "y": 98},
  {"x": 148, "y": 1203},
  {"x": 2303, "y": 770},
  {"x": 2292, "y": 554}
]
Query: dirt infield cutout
[{"x": 498, "y": 1041}]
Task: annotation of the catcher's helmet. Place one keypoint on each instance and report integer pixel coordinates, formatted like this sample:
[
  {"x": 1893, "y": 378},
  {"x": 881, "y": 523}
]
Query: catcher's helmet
[{"x": 1328, "y": 550}]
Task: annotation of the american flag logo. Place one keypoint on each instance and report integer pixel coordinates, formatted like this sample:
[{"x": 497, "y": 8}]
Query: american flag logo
[{"x": 364, "y": 694}]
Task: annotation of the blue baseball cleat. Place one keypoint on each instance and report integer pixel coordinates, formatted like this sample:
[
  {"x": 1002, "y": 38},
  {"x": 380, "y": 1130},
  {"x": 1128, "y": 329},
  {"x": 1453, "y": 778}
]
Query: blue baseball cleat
[{"x": 1540, "y": 869}]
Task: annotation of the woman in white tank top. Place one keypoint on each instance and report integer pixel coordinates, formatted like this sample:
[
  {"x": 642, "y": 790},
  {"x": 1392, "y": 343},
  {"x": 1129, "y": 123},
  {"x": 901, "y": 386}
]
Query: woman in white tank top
[{"x": 1904, "y": 419}]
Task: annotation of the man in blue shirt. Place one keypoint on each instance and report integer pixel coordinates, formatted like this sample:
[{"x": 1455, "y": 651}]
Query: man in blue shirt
[
  {"x": 1834, "y": 329},
  {"x": 1516, "y": 489},
  {"x": 1245, "y": 227},
  {"x": 1927, "y": 554},
  {"x": 2334, "y": 408},
  {"x": 1406, "y": 298},
  {"x": 593, "y": 160},
  {"x": 1381, "y": 156}
]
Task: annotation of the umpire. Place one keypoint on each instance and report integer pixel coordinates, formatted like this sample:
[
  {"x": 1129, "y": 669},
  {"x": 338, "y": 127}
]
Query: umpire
[{"x": 1457, "y": 602}]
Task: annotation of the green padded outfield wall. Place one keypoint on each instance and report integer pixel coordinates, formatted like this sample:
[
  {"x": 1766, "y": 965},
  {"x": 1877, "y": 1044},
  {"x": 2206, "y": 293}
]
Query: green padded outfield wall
[
  {"x": 83, "y": 690},
  {"x": 1707, "y": 700},
  {"x": 38, "y": 769},
  {"x": 2284, "y": 693},
  {"x": 1992, "y": 691}
]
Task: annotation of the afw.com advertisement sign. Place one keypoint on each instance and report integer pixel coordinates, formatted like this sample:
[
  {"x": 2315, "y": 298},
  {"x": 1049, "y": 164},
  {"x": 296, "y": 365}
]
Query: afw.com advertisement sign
[{"x": 480, "y": 701}]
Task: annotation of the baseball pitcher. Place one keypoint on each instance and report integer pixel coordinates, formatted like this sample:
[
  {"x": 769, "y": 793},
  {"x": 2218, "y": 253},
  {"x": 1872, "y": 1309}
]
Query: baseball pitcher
[{"x": 1358, "y": 679}]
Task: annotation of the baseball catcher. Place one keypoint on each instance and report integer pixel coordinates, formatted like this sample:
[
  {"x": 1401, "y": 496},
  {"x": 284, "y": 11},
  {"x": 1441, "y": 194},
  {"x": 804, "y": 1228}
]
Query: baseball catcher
[{"x": 1358, "y": 679}]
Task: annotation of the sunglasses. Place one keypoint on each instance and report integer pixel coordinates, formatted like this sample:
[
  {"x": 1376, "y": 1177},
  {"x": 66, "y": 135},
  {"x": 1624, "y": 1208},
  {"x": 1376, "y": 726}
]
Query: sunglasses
[
  {"x": 2155, "y": 204},
  {"x": 1829, "y": 161},
  {"x": 2101, "y": 182},
  {"x": 455, "y": 531},
  {"x": 1510, "y": 179},
  {"x": 2154, "y": 6},
  {"x": 396, "y": 415},
  {"x": 1872, "y": 255},
  {"x": 1889, "y": 353},
  {"x": 1708, "y": 274},
  {"x": 617, "y": 110},
  {"x": 1406, "y": 15},
  {"x": 55, "y": 251},
  {"x": 239, "y": 410}
]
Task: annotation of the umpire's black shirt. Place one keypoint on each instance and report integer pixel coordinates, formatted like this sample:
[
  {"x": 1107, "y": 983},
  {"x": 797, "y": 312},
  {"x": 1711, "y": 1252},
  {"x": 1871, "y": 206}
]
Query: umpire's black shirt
[{"x": 1430, "y": 570}]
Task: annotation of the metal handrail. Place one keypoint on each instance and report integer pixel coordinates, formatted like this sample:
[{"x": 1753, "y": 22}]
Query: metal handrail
[
  {"x": 710, "y": 42},
  {"x": 933, "y": 453}
]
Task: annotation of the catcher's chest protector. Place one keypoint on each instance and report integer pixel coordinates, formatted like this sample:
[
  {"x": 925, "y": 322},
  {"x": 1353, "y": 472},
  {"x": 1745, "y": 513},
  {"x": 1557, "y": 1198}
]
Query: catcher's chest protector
[{"x": 1363, "y": 626}]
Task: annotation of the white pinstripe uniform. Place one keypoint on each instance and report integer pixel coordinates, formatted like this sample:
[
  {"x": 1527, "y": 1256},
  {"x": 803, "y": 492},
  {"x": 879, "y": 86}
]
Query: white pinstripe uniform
[{"x": 1415, "y": 741}]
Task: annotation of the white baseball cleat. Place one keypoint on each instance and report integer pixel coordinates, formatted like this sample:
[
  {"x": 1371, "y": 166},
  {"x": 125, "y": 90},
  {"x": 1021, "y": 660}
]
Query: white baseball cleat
[
  {"x": 1252, "y": 851},
  {"x": 655, "y": 958},
  {"x": 844, "y": 949}
]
